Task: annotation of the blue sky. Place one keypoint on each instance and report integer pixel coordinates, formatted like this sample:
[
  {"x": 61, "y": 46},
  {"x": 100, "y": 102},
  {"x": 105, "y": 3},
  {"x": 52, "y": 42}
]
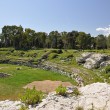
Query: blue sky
[{"x": 91, "y": 16}]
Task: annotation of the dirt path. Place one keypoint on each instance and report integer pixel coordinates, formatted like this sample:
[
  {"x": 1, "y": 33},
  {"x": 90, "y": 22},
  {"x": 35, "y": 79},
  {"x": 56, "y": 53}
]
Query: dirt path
[{"x": 47, "y": 85}]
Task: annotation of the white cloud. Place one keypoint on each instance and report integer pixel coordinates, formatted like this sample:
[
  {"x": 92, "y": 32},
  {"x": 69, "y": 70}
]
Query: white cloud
[{"x": 105, "y": 31}]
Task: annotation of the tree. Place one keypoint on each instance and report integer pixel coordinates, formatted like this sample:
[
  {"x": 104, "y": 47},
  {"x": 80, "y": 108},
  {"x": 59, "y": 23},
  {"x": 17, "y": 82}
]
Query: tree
[
  {"x": 60, "y": 44},
  {"x": 101, "y": 42},
  {"x": 108, "y": 42},
  {"x": 64, "y": 39},
  {"x": 71, "y": 39},
  {"x": 12, "y": 35},
  {"x": 54, "y": 36},
  {"x": 83, "y": 40},
  {"x": 93, "y": 43},
  {"x": 30, "y": 37},
  {"x": 19, "y": 38}
]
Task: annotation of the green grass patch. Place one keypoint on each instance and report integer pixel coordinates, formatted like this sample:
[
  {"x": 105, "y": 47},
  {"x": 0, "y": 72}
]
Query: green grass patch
[{"x": 11, "y": 87}]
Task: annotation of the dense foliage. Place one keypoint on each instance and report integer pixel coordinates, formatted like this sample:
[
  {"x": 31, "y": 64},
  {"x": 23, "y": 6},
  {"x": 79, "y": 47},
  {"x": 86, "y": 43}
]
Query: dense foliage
[
  {"x": 76, "y": 92},
  {"x": 19, "y": 38},
  {"x": 32, "y": 97},
  {"x": 61, "y": 90},
  {"x": 107, "y": 69},
  {"x": 23, "y": 107}
]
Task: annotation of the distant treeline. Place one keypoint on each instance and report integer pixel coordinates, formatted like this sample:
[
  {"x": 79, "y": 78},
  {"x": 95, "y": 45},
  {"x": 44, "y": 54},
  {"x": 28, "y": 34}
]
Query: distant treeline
[{"x": 19, "y": 38}]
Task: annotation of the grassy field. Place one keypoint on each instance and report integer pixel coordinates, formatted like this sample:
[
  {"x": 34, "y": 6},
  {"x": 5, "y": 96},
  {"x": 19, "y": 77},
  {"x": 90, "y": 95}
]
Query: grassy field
[
  {"x": 11, "y": 54},
  {"x": 11, "y": 87}
]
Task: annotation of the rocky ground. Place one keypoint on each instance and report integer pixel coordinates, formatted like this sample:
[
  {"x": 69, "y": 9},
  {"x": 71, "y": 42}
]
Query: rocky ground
[
  {"x": 93, "y": 97},
  {"x": 93, "y": 60},
  {"x": 10, "y": 105},
  {"x": 4, "y": 75}
]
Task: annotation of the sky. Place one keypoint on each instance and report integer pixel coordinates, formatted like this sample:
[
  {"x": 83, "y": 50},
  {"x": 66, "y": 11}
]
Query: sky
[{"x": 90, "y": 16}]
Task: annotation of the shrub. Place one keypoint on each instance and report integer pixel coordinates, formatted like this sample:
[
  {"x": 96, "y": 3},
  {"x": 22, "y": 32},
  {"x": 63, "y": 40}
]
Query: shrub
[
  {"x": 93, "y": 107},
  {"x": 18, "y": 68},
  {"x": 70, "y": 56},
  {"x": 8, "y": 53},
  {"x": 45, "y": 50},
  {"x": 31, "y": 60},
  {"x": 21, "y": 54},
  {"x": 45, "y": 56},
  {"x": 61, "y": 90},
  {"x": 54, "y": 56},
  {"x": 53, "y": 51},
  {"x": 34, "y": 54},
  {"x": 35, "y": 62},
  {"x": 79, "y": 108},
  {"x": 59, "y": 51},
  {"x": 76, "y": 92},
  {"x": 12, "y": 50},
  {"x": 107, "y": 69},
  {"x": 31, "y": 96},
  {"x": 65, "y": 50},
  {"x": 23, "y": 107}
]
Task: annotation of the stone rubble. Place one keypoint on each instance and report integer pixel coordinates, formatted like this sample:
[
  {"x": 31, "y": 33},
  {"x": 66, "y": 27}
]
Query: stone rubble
[
  {"x": 58, "y": 69},
  {"x": 4, "y": 75},
  {"x": 93, "y": 60},
  {"x": 95, "y": 96},
  {"x": 10, "y": 105}
]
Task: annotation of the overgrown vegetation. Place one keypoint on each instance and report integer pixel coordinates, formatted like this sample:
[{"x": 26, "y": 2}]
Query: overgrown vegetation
[
  {"x": 31, "y": 96},
  {"x": 23, "y": 107},
  {"x": 76, "y": 92},
  {"x": 61, "y": 90},
  {"x": 107, "y": 69},
  {"x": 54, "y": 55},
  {"x": 79, "y": 108}
]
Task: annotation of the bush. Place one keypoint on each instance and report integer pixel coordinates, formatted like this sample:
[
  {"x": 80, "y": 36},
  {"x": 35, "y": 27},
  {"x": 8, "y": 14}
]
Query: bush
[
  {"x": 31, "y": 96},
  {"x": 34, "y": 54},
  {"x": 65, "y": 50},
  {"x": 8, "y": 53},
  {"x": 59, "y": 51},
  {"x": 23, "y": 107},
  {"x": 12, "y": 50},
  {"x": 54, "y": 51},
  {"x": 79, "y": 108},
  {"x": 61, "y": 90},
  {"x": 21, "y": 54},
  {"x": 107, "y": 69},
  {"x": 54, "y": 56},
  {"x": 35, "y": 62},
  {"x": 76, "y": 92},
  {"x": 70, "y": 56},
  {"x": 18, "y": 68},
  {"x": 45, "y": 56},
  {"x": 45, "y": 50},
  {"x": 31, "y": 60}
]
